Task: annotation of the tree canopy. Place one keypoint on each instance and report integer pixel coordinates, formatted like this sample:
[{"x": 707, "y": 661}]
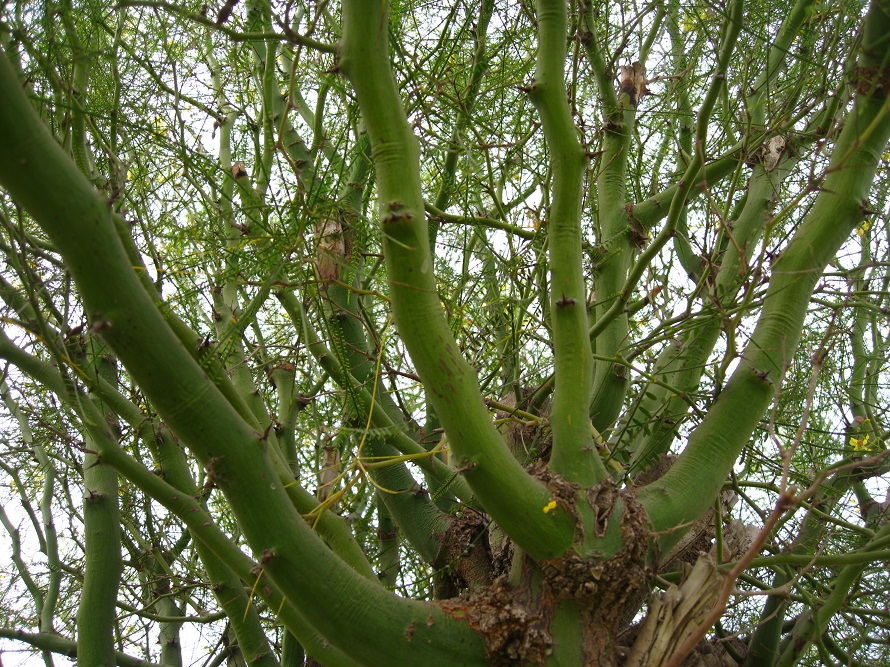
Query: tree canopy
[{"x": 395, "y": 333}]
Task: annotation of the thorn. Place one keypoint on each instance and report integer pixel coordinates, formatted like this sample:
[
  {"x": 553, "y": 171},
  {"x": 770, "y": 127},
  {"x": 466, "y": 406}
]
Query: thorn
[
  {"x": 565, "y": 301},
  {"x": 265, "y": 436}
]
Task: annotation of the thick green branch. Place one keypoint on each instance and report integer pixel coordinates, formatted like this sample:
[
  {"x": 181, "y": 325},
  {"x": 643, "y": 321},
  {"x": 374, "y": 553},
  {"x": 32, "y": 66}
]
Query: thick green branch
[
  {"x": 574, "y": 455},
  {"x": 513, "y": 498},
  {"x": 615, "y": 238}
]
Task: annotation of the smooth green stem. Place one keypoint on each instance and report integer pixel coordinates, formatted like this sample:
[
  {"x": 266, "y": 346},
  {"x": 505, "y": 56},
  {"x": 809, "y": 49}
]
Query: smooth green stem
[
  {"x": 103, "y": 564},
  {"x": 45, "y": 504},
  {"x": 685, "y": 129},
  {"x": 474, "y": 221},
  {"x": 574, "y": 455}
]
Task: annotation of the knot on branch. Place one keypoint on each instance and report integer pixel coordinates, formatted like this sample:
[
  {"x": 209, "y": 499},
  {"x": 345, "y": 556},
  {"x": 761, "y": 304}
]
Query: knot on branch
[
  {"x": 529, "y": 89},
  {"x": 513, "y": 632},
  {"x": 465, "y": 552},
  {"x": 632, "y": 82},
  {"x": 769, "y": 154},
  {"x": 332, "y": 250},
  {"x": 563, "y": 493},
  {"x": 637, "y": 233},
  {"x": 608, "y": 584},
  {"x": 397, "y": 212},
  {"x": 872, "y": 81},
  {"x": 611, "y": 582},
  {"x": 515, "y": 625},
  {"x": 239, "y": 170}
]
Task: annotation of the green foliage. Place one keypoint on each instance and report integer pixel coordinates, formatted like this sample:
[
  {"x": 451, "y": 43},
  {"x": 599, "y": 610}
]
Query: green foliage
[{"x": 389, "y": 373}]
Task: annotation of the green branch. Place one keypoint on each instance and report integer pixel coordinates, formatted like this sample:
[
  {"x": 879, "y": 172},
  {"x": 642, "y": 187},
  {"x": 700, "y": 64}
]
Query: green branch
[
  {"x": 507, "y": 492},
  {"x": 39, "y": 176},
  {"x": 574, "y": 455},
  {"x": 615, "y": 238},
  {"x": 103, "y": 564},
  {"x": 475, "y": 221},
  {"x": 54, "y": 643},
  {"x": 688, "y": 489}
]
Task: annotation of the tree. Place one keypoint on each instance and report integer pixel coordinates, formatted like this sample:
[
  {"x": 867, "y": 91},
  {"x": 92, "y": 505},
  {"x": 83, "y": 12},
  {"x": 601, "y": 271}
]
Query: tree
[{"x": 407, "y": 334}]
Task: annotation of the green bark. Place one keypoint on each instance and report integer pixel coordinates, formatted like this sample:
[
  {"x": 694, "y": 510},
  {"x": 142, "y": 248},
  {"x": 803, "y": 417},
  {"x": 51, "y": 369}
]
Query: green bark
[
  {"x": 574, "y": 456},
  {"x": 103, "y": 563},
  {"x": 549, "y": 563},
  {"x": 615, "y": 238}
]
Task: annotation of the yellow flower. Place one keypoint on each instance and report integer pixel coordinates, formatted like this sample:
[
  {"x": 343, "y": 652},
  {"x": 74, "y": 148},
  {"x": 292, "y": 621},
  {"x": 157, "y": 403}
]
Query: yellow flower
[
  {"x": 859, "y": 443},
  {"x": 550, "y": 506},
  {"x": 863, "y": 229}
]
